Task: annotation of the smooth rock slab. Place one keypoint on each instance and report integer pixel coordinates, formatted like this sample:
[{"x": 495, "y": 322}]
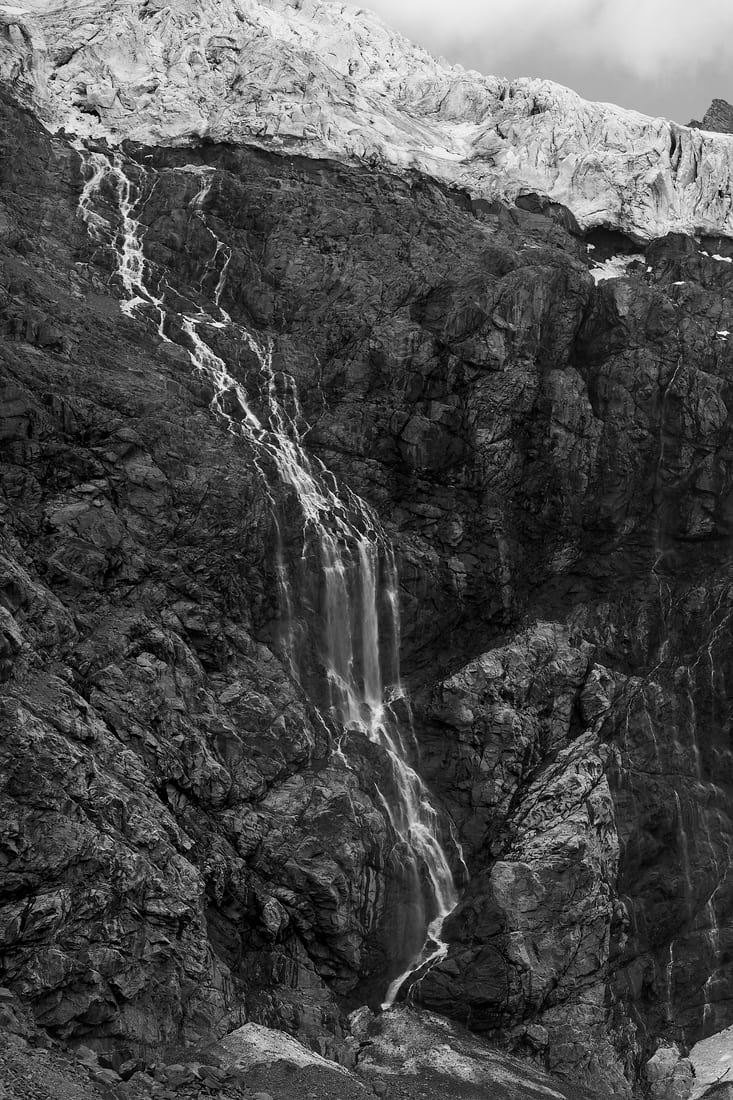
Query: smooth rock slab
[
  {"x": 712, "y": 1060},
  {"x": 255, "y": 1045}
]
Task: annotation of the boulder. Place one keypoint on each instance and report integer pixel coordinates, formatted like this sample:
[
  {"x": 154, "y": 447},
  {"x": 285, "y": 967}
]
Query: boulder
[{"x": 669, "y": 1075}]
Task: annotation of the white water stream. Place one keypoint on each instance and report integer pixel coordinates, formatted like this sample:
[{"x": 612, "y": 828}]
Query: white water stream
[{"x": 345, "y": 553}]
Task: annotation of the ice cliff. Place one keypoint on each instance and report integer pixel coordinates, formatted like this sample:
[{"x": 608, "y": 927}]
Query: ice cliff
[{"x": 330, "y": 80}]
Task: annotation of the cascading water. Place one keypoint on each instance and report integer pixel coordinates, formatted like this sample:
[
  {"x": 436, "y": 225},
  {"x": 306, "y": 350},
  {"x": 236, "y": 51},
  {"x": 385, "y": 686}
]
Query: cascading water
[{"x": 346, "y": 557}]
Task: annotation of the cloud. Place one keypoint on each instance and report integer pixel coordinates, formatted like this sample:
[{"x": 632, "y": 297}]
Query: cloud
[{"x": 645, "y": 38}]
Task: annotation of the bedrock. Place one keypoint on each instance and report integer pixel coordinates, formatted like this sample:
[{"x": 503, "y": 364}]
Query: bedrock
[{"x": 183, "y": 846}]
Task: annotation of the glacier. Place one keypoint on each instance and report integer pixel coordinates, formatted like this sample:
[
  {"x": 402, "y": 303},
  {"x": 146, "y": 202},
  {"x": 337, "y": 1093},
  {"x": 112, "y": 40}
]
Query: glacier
[{"x": 332, "y": 81}]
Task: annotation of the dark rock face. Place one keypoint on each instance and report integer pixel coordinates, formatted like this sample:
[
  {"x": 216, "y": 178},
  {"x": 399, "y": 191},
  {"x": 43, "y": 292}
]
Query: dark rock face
[
  {"x": 183, "y": 846},
  {"x": 530, "y": 938},
  {"x": 718, "y": 118}
]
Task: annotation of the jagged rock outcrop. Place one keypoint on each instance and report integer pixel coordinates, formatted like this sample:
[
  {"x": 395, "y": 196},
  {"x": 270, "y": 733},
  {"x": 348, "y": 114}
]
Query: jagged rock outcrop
[
  {"x": 186, "y": 843},
  {"x": 718, "y": 118},
  {"x": 531, "y": 937},
  {"x": 331, "y": 80}
]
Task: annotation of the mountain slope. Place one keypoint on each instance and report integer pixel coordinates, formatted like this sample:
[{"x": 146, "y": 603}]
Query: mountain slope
[{"x": 193, "y": 833}]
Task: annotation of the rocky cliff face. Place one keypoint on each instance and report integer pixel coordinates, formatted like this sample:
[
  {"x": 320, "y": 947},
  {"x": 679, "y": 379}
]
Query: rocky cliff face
[
  {"x": 189, "y": 838},
  {"x": 144, "y": 710}
]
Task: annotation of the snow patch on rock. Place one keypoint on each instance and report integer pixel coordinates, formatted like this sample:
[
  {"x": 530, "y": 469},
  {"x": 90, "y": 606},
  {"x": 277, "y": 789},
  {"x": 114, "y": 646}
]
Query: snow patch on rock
[{"x": 615, "y": 267}]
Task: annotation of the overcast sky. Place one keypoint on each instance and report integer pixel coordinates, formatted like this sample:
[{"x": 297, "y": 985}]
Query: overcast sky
[{"x": 662, "y": 57}]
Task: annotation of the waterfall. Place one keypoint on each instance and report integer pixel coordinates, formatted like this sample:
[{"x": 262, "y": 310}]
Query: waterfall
[{"x": 346, "y": 557}]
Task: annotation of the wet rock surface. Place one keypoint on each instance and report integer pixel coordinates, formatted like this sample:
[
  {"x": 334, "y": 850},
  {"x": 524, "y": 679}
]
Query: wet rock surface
[{"x": 184, "y": 847}]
